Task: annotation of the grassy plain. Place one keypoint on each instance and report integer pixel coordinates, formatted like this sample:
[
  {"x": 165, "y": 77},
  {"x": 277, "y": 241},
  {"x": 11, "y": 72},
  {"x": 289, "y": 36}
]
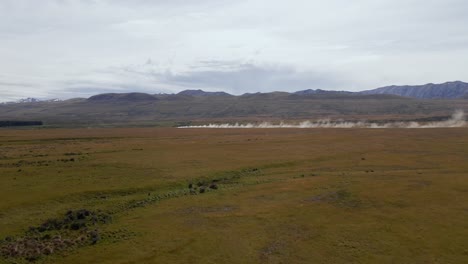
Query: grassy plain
[{"x": 284, "y": 195}]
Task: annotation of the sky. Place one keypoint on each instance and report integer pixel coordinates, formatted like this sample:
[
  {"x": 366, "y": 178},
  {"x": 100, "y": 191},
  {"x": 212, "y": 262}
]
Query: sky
[{"x": 65, "y": 49}]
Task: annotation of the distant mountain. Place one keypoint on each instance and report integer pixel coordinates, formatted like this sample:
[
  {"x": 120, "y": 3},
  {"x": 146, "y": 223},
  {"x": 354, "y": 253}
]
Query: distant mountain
[
  {"x": 119, "y": 97},
  {"x": 30, "y": 100},
  {"x": 320, "y": 91},
  {"x": 202, "y": 93},
  {"x": 166, "y": 109},
  {"x": 448, "y": 90},
  {"x": 174, "y": 97}
]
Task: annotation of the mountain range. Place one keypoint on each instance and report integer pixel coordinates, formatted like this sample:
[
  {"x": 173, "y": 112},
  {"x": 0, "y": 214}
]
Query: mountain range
[
  {"x": 448, "y": 90},
  {"x": 197, "y": 106}
]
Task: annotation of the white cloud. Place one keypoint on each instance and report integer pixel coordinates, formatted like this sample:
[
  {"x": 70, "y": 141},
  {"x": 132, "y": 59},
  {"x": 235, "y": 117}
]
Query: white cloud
[{"x": 56, "y": 47}]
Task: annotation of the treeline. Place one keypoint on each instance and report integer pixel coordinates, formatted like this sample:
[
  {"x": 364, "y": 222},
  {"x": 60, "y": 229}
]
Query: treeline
[{"x": 20, "y": 123}]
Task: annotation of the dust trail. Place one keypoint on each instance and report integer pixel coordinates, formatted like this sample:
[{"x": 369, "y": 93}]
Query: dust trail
[{"x": 457, "y": 120}]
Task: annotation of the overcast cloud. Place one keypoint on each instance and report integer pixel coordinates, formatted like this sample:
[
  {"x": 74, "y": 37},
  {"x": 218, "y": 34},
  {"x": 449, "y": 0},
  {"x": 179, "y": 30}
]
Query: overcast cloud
[{"x": 64, "y": 49}]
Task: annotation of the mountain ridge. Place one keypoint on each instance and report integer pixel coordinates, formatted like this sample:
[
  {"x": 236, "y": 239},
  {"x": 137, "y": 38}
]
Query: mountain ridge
[
  {"x": 200, "y": 92},
  {"x": 122, "y": 97},
  {"x": 447, "y": 90},
  {"x": 139, "y": 109}
]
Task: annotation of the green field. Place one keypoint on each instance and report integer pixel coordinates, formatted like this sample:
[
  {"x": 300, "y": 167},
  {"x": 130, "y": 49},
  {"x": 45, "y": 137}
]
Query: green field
[{"x": 270, "y": 195}]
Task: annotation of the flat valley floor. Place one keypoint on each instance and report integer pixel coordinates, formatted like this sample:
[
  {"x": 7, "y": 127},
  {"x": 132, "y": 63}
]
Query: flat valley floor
[{"x": 121, "y": 195}]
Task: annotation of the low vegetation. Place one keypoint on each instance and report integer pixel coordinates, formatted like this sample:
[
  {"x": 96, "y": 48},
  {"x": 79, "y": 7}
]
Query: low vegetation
[
  {"x": 76, "y": 228},
  {"x": 146, "y": 195}
]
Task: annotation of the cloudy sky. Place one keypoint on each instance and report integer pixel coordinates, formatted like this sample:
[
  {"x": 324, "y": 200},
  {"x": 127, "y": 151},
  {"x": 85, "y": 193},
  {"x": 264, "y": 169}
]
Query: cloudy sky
[{"x": 66, "y": 48}]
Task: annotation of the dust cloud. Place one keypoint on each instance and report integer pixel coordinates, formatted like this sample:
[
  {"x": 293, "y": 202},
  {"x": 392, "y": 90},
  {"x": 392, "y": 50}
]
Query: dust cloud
[{"x": 457, "y": 120}]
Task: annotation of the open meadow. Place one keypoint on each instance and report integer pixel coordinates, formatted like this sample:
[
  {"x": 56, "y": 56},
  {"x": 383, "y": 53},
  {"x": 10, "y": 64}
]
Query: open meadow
[{"x": 168, "y": 195}]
